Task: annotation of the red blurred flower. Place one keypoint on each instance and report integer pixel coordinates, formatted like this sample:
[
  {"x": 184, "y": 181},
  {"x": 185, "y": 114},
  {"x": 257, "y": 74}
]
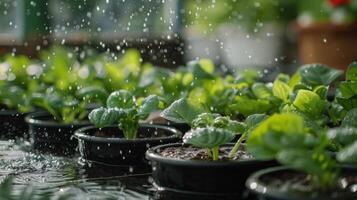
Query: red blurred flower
[{"x": 337, "y": 3}]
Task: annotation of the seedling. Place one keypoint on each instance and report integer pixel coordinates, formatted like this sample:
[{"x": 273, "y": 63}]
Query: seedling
[
  {"x": 209, "y": 138},
  {"x": 284, "y": 137},
  {"x": 68, "y": 108},
  {"x": 123, "y": 109}
]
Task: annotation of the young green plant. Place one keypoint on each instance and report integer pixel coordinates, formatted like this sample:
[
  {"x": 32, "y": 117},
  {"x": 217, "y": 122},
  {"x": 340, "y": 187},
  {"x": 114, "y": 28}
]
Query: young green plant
[
  {"x": 68, "y": 108},
  {"x": 125, "y": 110},
  {"x": 209, "y": 138},
  {"x": 284, "y": 137}
]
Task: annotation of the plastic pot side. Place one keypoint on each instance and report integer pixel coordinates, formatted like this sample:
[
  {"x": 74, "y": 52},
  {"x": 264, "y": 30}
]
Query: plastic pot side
[
  {"x": 12, "y": 124},
  {"x": 264, "y": 191},
  {"x": 51, "y": 136},
  {"x": 202, "y": 178},
  {"x": 117, "y": 150}
]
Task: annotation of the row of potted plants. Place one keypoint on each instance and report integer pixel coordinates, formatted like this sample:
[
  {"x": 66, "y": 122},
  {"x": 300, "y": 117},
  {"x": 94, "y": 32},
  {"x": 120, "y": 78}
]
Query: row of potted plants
[{"x": 302, "y": 122}]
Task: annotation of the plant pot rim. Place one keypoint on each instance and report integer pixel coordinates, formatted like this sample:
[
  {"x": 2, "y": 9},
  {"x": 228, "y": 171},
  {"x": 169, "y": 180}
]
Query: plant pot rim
[
  {"x": 152, "y": 155},
  {"x": 256, "y": 186},
  {"x": 32, "y": 119},
  {"x": 80, "y": 134},
  {"x": 6, "y": 111},
  {"x": 317, "y": 27}
]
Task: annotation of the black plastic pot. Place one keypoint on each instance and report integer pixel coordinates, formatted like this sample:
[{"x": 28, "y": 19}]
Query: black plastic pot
[
  {"x": 12, "y": 124},
  {"x": 116, "y": 150},
  {"x": 257, "y": 184},
  {"x": 198, "y": 179},
  {"x": 48, "y": 135}
]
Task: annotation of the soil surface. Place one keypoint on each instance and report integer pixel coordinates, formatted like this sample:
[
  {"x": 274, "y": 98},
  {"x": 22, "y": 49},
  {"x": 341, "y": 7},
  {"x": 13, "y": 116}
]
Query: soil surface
[
  {"x": 192, "y": 153},
  {"x": 301, "y": 184},
  {"x": 142, "y": 133}
]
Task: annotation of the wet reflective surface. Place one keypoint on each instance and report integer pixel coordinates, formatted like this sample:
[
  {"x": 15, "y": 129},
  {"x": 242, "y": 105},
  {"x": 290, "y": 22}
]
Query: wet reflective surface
[{"x": 58, "y": 175}]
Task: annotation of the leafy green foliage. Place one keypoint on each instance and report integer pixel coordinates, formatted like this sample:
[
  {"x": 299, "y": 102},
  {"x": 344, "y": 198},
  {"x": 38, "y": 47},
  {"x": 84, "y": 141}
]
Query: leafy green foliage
[
  {"x": 247, "y": 106},
  {"x": 260, "y": 90},
  {"x": 65, "y": 107},
  {"x": 309, "y": 102},
  {"x": 351, "y": 74},
  {"x": 318, "y": 74},
  {"x": 217, "y": 121},
  {"x": 102, "y": 117},
  {"x": 92, "y": 94},
  {"x": 350, "y": 119},
  {"x": 283, "y": 137},
  {"x": 209, "y": 138},
  {"x": 123, "y": 108},
  {"x": 281, "y": 90},
  {"x": 181, "y": 111},
  {"x": 345, "y": 138},
  {"x": 348, "y": 154},
  {"x": 347, "y": 92},
  {"x": 249, "y": 124}
]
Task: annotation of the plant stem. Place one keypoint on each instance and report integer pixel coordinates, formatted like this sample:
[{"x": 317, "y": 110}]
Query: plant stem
[
  {"x": 215, "y": 153},
  {"x": 129, "y": 131},
  {"x": 209, "y": 152},
  {"x": 237, "y": 145}
]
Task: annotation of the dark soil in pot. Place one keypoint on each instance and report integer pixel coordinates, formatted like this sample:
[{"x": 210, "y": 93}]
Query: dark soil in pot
[
  {"x": 186, "y": 172},
  {"x": 12, "y": 124},
  {"x": 49, "y": 135},
  {"x": 108, "y": 145},
  {"x": 281, "y": 183}
]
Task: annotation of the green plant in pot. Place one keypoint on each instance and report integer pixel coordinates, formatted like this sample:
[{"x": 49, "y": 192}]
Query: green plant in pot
[
  {"x": 311, "y": 171},
  {"x": 204, "y": 155},
  {"x": 118, "y": 133},
  {"x": 52, "y": 130}
]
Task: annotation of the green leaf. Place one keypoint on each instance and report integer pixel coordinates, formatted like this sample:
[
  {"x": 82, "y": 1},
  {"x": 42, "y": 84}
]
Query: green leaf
[
  {"x": 260, "y": 90},
  {"x": 181, "y": 111},
  {"x": 336, "y": 112},
  {"x": 265, "y": 140},
  {"x": 350, "y": 119},
  {"x": 343, "y": 136},
  {"x": 204, "y": 119},
  {"x": 300, "y": 159},
  {"x": 148, "y": 105},
  {"x": 93, "y": 93},
  {"x": 318, "y": 74},
  {"x": 200, "y": 71},
  {"x": 221, "y": 122},
  {"x": 348, "y": 154},
  {"x": 321, "y": 90},
  {"x": 208, "y": 137},
  {"x": 351, "y": 74},
  {"x": 253, "y": 120},
  {"x": 102, "y": 117},
  {"x": 349, "y": 103},
  {"x": 281, "y": 90},
  {"x": 121, "y": 99},
  {"x": 236, "y": 127},
  {"x": 348, "y": 89},
  {"x": 309, "y": 102},
  {"x": 246, "y": 106}
]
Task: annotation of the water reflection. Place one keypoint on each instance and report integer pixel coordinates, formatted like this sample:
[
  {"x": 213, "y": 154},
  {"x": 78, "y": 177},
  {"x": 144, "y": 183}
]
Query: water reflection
[{"x": 64, "y": 175}]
